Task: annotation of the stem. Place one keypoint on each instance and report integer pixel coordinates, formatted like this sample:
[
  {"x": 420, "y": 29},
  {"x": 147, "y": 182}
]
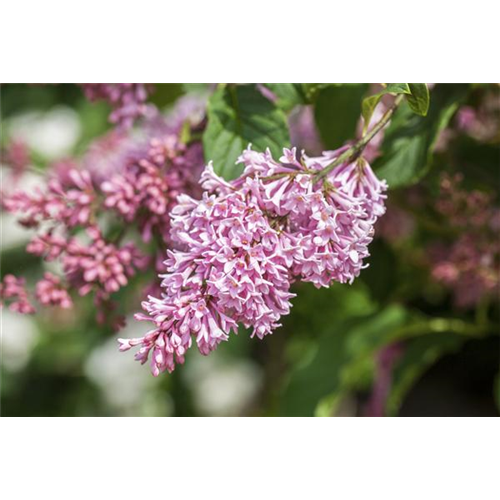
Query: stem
[
  {"x": 441, "y": 325},
  {"x": 357, "y": 148}
]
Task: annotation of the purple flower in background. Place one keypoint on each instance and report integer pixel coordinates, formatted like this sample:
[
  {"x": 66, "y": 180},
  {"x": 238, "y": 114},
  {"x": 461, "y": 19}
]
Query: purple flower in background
[
  {"x": 481, "y": 122},
  {"x": 128, "y": 100},
  {"x": 99, "y": 264},
  {"x": 13, "y": 290},
  {"x": 51, "y": 292},
  {"x": 146, "y": 189},
  {"x": 129, "y": 178},
  {"x": 111, "y": 153},
  {"x": 470, "y": 265},
  {"x": 70, "y": 204}
]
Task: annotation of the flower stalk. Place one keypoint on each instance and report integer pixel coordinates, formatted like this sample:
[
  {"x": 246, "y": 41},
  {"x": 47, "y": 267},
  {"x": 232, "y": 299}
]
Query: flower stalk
[{"x": 357, "y": 148}]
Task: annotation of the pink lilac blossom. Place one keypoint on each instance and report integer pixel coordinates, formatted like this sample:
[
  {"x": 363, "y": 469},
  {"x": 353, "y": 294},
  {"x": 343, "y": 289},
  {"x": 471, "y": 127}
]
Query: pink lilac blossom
[
  {"x": 17, "y": 156},
  {"x": 128, "y": 100},
  {"x": 70, "y": 205},
  {"x": 99, "y": 266},
  {"x": 62, "y": 169},
  {"x": 462, "y": 208},
  {"x": 13, "y": 290},
  {"x": 135, "y": 175},
  {"x": 118, "y": 149},
  {"x": 244, "y": 242},
  {"x": 470, "y": 265},
  {"x": 111, "y": 153},
  {"x": 51, "y": 292},
  {"x": 146, "y": 189},
  {"x": 481, "y": 122}
]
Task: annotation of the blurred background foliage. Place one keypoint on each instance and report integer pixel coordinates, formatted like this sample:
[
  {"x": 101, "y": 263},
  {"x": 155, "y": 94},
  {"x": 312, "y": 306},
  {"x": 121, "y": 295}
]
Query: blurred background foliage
[{"x": 396, "y": 342}]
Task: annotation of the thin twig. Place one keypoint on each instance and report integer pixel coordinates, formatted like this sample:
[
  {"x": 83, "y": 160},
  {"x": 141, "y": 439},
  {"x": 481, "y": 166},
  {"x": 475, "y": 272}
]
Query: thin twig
[{"x": 357, "y": 148}]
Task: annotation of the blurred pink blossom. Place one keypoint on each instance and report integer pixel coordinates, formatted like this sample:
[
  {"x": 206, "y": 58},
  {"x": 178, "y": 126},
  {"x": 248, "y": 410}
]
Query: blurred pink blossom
[
  {"x": 50, "y": 291},
  {"x": 13, "y": 290},
  {"x": 128, "y": 100}
]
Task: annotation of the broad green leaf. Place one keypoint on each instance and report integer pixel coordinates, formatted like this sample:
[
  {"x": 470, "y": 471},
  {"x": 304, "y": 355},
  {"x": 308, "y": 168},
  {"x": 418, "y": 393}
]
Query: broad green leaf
[
  {"x": 370, "y": 103},
  {"x": 419, "y": 100},
  {"x": 419, "y": 355},
  {"x": 337, "y": 111},
  {"x": 288, "y": 95},
  {"x": 409, "y": 140},
  {"x": 239, "y": 116},
  {"x": 344, "y": 348},
  {"x": 397, "y": 88}
]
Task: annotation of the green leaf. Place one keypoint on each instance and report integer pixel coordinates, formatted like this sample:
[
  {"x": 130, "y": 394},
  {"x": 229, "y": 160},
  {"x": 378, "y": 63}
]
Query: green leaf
[
  {"x": 419, "y": 100},
  {"x": 409, "y": 139},
  {"x": 419, "y": 355},
  {"x": 337, "y": 111},
  {"x": 165, "y": 94},
  {"x": 238, "y": 116},
  {"x": 343, "y": 350},
  {"x": 397, "y": 88},
  {"x": 288, "y": 95},
  {"x": 383, "y": 272},
  {"x": 370, "y": 103}
]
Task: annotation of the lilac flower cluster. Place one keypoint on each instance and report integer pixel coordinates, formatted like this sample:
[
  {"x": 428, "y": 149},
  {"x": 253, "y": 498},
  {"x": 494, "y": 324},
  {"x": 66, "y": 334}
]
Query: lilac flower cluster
[
  {"x": 481, "y": 122},
  {"x": 51, "y": 292},
  {"x": 128, "y": 100},
  {"x": 13, "y": 290},
  {"x": 147, "y": 189},
  {"x": 244, "y": 242},
  {"x": 99, "y": 265},
  {"x": 69, "y": 203},
  {"x": 470, "y": 265},
  {"x": 126, "y": 180}
]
